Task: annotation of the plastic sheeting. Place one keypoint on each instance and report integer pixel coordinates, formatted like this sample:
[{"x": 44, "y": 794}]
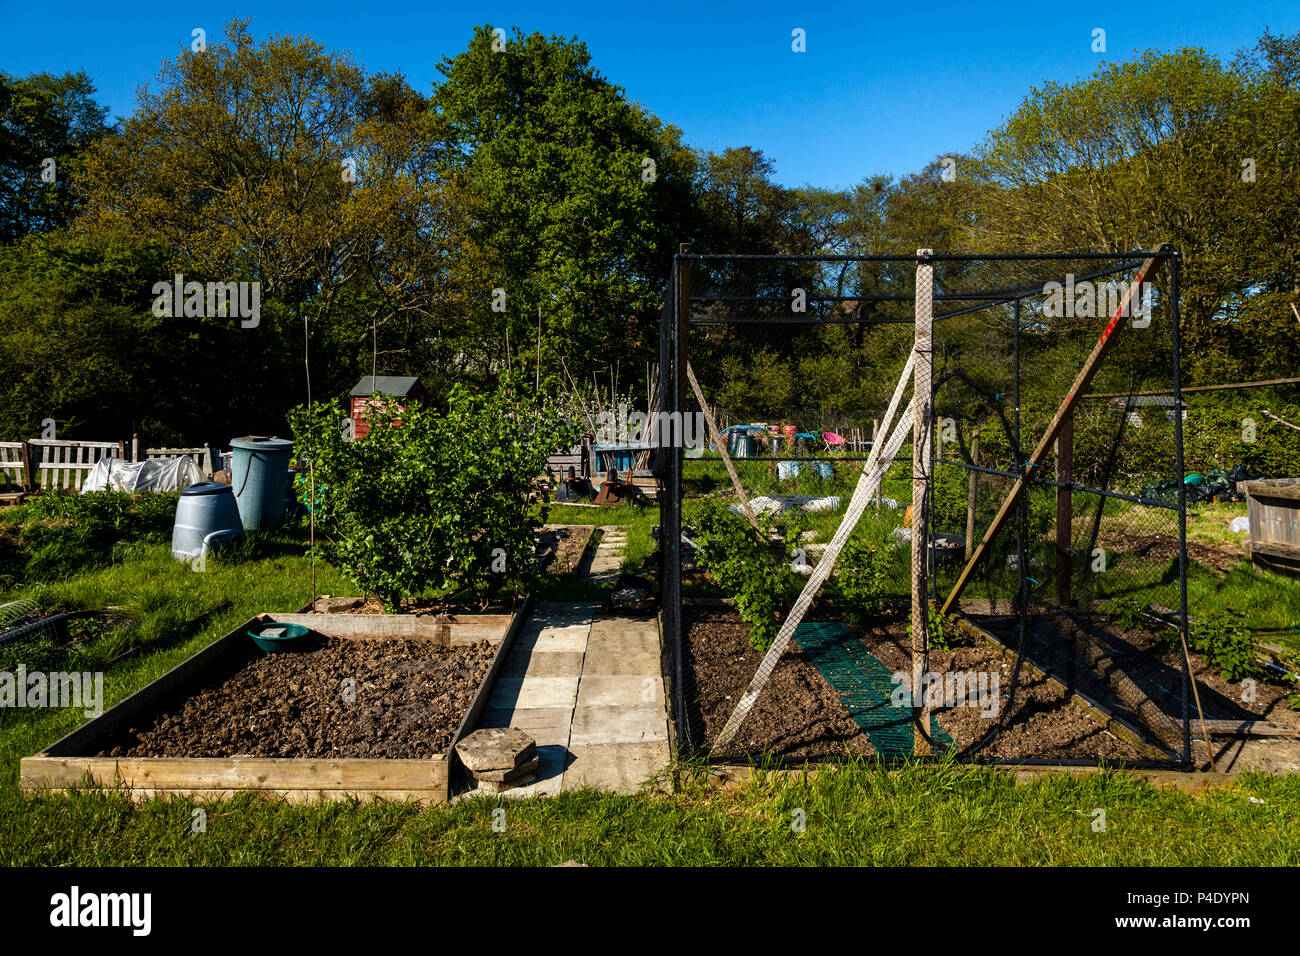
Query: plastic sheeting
[{"x": 155, "y": 474}]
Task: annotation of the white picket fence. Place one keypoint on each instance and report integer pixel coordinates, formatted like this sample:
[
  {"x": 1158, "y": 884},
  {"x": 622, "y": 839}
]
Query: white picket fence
[{"x": 43, "y": 464}]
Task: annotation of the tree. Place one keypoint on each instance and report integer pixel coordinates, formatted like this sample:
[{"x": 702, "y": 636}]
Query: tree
[
  {"x": 580, "y": 197},
  {"x": 46, "y": 121},
  {"x": 77, "y": 341},
  {"x": 1177, "y": 148},
  {"x": 289, "y": 166}
]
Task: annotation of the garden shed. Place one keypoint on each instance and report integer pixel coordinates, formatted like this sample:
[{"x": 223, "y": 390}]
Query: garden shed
[{"x": 401, "y": 388}]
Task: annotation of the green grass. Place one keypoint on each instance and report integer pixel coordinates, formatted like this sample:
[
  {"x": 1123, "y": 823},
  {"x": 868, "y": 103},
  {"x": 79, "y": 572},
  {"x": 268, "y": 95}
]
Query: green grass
[
  {"x": 857, "y": 814},
  {"x": 164, "y": 592},
  {"x": 854, "y": 815}
]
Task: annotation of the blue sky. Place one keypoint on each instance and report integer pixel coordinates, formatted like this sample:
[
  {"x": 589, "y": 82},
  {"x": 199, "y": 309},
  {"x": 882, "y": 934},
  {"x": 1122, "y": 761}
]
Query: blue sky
[{"x": 881, "y": 88}]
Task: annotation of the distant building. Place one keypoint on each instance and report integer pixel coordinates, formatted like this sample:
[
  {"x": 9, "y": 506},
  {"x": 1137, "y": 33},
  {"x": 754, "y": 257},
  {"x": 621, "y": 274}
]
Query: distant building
[{"x": 399, "y": 388}]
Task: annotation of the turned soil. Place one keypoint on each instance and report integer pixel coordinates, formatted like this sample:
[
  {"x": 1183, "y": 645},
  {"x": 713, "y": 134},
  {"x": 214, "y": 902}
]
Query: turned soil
[
  {"x": 800, "y": 715},
  {"x": 1153, "y": 660},
  {"x": 797, "y": 715},
  {"x": 410, "y": 698},
  {"x": 560, "y": 547}
]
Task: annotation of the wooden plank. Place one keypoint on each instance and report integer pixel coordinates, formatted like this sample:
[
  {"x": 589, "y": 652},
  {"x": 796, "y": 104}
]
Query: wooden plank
[
  {"x": 237, "y": 773},
  {"x": 1275, "y": 549},
  {"x": 1271, "y": 488},
  {"x": 1064, "y": 509},
  {"x": 65, "y": 765},
  {"x": 479, "y": 702},
  {"x": 731, "y": 776},
  {"x": 1250, "y": 728},
  {"x": 469, "y": 629},
  {"x": 1109, "y": 335},
  {"x": 1198, "y": 388},
  {"x": 973, "y": 491},
  {"x": 432, "y": 796}
]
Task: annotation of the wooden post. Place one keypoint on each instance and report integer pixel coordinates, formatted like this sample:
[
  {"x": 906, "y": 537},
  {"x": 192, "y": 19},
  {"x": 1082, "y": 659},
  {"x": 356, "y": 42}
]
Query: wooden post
[
  {"x": 922, "y": 433},
  {"x": 1064, "y": 509},
  {"x": 1081, "y": 382},
  {"x": 974, "y": 491},
  {"x": 29, "y": 468}
]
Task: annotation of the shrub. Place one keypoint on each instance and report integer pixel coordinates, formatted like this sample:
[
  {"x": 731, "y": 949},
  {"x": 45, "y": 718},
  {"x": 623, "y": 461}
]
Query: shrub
[
  {"x": 1227, "y": 644},
  {"x": 936, "y": 627},
  {"x": 429, "y": 500},
  {"x": 862, "y": 576},
  {"x": 756, "y": 570}
]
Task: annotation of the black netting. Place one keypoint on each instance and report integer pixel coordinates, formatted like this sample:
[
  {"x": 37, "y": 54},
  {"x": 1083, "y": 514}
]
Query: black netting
[{"x": 1083, "y": 578}]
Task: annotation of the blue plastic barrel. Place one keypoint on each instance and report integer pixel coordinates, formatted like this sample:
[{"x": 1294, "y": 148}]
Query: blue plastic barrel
[
  {"x": 259, "y": 475},
  {"x": 206, "y": 516}
]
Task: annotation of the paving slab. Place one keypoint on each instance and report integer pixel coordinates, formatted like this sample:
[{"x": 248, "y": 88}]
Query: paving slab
[
  {"x": 544, "y": 664},
  {"x": 629, "y": 641},
  {"x": 560, "y": 614},
  {"x": 621, "y": 663},
  {"x": 571, "y": 638},
  {"x": 576, "y": 680},
  {"x": 618, "y": 725},
  {"x": 526, "y": 692},
  {"x": 598, "y": 690},
  {"x": 626, "y": 624},
  {"x": 548, "y": 725},
  {"x": 622, "y": 768}
]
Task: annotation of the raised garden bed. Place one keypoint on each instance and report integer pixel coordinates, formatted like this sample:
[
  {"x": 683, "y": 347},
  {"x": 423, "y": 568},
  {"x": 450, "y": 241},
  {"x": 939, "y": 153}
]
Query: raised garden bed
[
  {"x": 560, "y": 547},
  {"x": 230, "y": 718}
]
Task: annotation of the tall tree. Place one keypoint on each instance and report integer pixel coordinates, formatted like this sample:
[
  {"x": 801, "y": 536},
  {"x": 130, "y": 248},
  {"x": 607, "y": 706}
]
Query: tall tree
[
  {"x": 1170, "y": 147},
  {"x": 46, "y": 121},
  {"x": 287, "y": 165},
  {"x": 580, "y": 197}
]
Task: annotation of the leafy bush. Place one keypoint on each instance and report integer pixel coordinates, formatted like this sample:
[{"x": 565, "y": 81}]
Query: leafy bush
[
  {"x": 429, "y": 500},
  {"x": 862, "y": 576},
  {"x": 756, "y": 570},
  {"x": 1228, "y": 644},
  {"x": 937, "y": 628}
]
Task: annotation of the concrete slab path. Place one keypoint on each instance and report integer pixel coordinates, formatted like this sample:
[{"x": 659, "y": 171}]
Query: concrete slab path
[
  {"x": 608, "y": 558},
  {"x": 589, "y": 687}
]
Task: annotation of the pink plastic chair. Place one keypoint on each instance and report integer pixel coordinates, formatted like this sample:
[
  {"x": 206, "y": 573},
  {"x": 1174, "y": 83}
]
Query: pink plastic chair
[{"x": 833, "y": 441}]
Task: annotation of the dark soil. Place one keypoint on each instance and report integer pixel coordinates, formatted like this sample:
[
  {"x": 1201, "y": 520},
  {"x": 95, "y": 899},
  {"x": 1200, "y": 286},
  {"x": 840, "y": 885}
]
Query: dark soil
[
  {"x": 800, "y": 715},
  {"x": 434, "y": 606},
  {"x": 1152, "y": 658},
  {"x": 1157, "y": 549},
  {"x": 797, "y": 715},
  {"x": 410, "y": 698},
  {"x": 560, "y": 547},
  {"x": 1041, "y": 722}
]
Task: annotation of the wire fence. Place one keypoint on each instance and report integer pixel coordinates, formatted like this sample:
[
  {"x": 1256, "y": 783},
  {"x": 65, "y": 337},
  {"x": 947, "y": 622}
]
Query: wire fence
[{"x": 1054, "y": 507}]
